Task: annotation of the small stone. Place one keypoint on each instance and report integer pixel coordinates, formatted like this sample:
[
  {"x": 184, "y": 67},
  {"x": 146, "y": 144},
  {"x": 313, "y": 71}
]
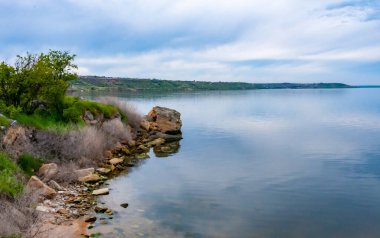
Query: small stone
[
  {"x": 102, "y": 191},
  {"x": 100, "y": 209},
  {"x": 124, "y": 205},
  {"x": 92, "y": 178},
  {"x": 90, "y": 219},
  {"x": 103, "y": 170},
  {"x": 63, "y": 211},
  {"x": 116, "y": 161},
  {"x": 142, "y": 156}
]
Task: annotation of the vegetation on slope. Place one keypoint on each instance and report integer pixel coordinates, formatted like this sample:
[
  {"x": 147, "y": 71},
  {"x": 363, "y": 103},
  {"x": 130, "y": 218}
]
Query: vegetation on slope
[{"x": 130, "y": 84}]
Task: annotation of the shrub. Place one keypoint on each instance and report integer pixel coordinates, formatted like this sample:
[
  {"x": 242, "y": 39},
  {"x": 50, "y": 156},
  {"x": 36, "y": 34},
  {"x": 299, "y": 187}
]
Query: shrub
[{"x": 29, "y": 164}]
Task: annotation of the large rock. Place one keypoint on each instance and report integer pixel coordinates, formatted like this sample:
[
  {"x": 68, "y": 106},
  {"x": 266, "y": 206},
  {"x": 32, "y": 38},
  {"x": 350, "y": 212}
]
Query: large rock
[
  {"x": 35, "y": 185},
  {"x": 165, "y": 120},
  {"x": 48, "y": 171}
]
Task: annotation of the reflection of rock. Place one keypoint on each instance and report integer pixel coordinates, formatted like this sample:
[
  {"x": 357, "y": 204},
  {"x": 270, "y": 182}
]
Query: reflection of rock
[
  {"x": 166, "y": 137},
  {"x": 165, "y": 120},
  {"x": 167, "y": 149}
]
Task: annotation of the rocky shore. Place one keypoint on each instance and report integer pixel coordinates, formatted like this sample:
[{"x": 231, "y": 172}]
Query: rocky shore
[{"x": 67, "y": 210}]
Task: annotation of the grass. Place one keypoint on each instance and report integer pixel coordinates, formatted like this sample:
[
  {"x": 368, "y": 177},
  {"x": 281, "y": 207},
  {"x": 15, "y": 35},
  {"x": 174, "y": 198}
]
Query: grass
[
  {"x": 29, "y": 164},
  {"x": 9, "y": 183},
  {"x": 74, "y": 109},
  {"x": 4, "y": 121}
]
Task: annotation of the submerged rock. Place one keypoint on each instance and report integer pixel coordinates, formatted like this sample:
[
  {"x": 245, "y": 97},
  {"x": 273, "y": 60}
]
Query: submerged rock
[
  {"x": 124, "y": 205},
  {"x": 90, "y": 219}
]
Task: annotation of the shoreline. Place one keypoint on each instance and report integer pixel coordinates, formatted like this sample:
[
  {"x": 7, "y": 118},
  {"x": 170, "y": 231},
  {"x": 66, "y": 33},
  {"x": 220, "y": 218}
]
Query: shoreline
[{"x": 71, "y": 209}]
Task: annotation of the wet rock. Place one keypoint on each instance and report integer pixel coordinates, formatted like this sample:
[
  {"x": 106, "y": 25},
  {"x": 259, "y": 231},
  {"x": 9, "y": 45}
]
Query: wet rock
[
  {"x": 142, "y": 156},
  {"x": 84, "y": 172},
  {"x": 92, "y": 178},
  {"x": 100, "y": 209},
  {"x": 116, "y": 161},
  {"x": 103, "y": 171},
  {"x": 35, "y": 185},
  {"x": 165, "y": 120},
  {"x": 90, "y": 219},
  {"x": 124, "y": 205},
  {"x": 48, "y": 171},
  {"x": 102, "y": 191}
]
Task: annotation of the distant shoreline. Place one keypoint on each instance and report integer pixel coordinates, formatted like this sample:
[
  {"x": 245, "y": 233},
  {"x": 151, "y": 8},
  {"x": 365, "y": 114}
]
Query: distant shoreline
[{"x": 100, "y": 83}]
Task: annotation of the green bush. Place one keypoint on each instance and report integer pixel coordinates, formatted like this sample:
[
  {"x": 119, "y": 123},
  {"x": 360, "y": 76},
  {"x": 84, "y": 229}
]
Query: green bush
[
  {"x": 9, "y": 183},
  {"x": 29, "y": 164}
]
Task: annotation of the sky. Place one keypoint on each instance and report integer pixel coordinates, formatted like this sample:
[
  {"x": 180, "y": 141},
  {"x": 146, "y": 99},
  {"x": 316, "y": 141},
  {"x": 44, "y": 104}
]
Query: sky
[{"x": 255, "y": 41}]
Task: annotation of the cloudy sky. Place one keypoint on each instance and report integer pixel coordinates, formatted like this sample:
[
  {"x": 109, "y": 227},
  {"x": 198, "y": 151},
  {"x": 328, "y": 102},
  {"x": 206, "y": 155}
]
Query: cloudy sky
[{"x": 214, "y": 40}]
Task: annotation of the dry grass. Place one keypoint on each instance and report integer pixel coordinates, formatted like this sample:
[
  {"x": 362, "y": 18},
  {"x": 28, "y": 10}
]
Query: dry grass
[
  {"x": 17, "y": 218},
  {"x": 133, "y": 116}
]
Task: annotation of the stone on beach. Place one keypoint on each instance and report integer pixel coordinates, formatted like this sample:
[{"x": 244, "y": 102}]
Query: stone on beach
[
  {"x": 102, "y": 191},
  {"x": 35, "y": 185}
]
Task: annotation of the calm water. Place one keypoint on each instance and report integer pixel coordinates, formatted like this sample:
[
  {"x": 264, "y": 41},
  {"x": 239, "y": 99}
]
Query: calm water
[{"x": 269, "y": 163}]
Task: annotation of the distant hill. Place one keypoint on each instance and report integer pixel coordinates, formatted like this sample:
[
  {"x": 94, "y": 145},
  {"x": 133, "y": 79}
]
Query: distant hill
[{"x": 88, "y": 83}]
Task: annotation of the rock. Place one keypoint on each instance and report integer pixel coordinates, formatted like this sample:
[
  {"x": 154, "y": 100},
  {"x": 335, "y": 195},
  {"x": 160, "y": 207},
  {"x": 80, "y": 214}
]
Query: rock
[
  {"x": 92, "y": 178},
  {"x": 41, "y": 208},
  {"x": 124, "y": 205},
  {"x": 90, "y": 219},
  {"x": 84, "y": 172},
  {"x": 158, "y": 141},
  {"x": 166, "y": 120},
  {"x": 100, "y": 209},
  {"x": 142, "y": 156},
  {"x": 12, "y": 134},
  {"x": 143, "y": 148},
  {"x": 88, "y": 116},
  {"x": 167, "y": 137},
  {"x": 54, "y": 185},
  {"x": 145, "y": 125},
  {"x": 103, "y": 170},
  {"x": 48, "y": 171},
  {"x": 102, "y": 191},
  {"x": 35, "y": 185},
  {"x": 63, "y": 211},
  {"x": 116, "y": 161}
]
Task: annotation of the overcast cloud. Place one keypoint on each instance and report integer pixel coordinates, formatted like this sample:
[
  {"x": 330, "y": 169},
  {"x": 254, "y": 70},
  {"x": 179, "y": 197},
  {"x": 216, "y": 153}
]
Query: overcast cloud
[{"x": 214, "y": 40}]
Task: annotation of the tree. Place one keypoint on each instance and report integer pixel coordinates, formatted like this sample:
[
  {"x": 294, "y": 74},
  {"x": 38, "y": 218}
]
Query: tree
[{"x": 42, "y": 77}]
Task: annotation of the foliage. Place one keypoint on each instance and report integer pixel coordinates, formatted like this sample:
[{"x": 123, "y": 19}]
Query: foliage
[
  {"x": 9, "y": 183},
  {"x": 37, "y": 78},
  {"x": 29, "y": 164},
  {"x": 4, "y": 121}
]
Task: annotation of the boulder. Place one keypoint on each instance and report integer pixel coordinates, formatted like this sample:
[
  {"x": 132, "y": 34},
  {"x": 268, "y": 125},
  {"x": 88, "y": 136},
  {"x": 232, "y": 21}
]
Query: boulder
[
  {"x": 35, "y": 185},
  {"x": 84, "y": 172},
  {"x": 165, "y": 120},
  {"x": 48, "y": 171},
  {"x": 102, "y": 191}
]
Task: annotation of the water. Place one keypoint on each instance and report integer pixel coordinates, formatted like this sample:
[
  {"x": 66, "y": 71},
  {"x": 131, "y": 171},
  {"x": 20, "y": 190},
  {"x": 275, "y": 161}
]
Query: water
[{"x": 269, "y": 163}]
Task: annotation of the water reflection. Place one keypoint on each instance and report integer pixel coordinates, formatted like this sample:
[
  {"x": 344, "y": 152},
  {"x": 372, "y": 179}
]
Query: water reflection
[{"x": 271, "y": 163}]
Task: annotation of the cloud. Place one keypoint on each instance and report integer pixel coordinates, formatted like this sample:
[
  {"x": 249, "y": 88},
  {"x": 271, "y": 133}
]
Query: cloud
[{"x": 203, "y": 40}]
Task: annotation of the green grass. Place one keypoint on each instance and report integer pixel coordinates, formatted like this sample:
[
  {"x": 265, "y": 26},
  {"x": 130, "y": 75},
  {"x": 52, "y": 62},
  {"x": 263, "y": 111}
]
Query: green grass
[
  {"x": 4, "y": 121},
  {"x": 43, "y": 122},
  {"x": 29, "y": 164},
  {"x": 9, "y": 183}
]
